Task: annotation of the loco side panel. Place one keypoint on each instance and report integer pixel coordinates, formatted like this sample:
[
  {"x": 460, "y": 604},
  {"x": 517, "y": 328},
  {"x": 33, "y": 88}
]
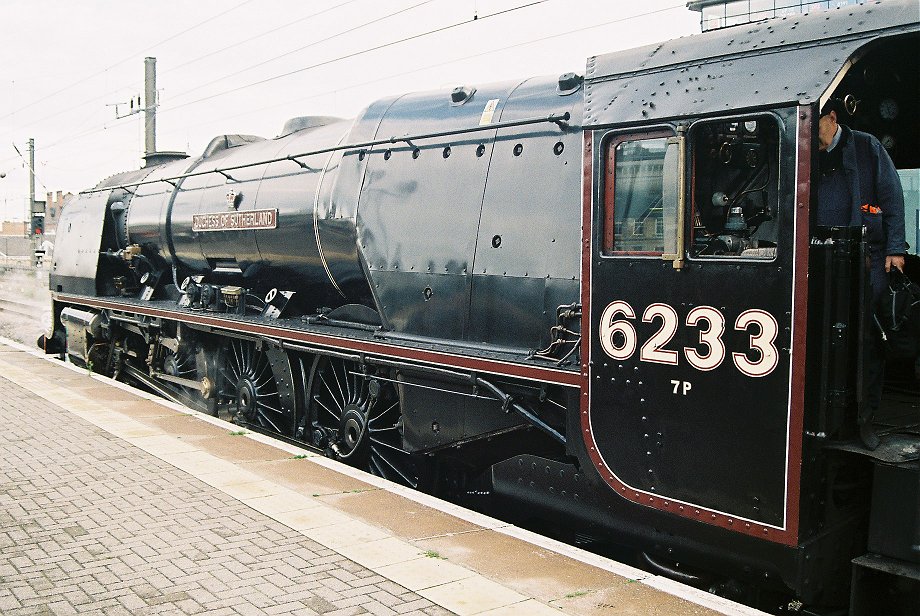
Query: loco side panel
[
  {"x": 527, "y": 256},
  {"x": 418, "y": 213},
  {"x": 463, "y": 235}
]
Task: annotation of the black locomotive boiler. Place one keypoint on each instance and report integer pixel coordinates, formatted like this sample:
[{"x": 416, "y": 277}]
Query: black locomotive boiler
[{"x": 602, "y": 299}]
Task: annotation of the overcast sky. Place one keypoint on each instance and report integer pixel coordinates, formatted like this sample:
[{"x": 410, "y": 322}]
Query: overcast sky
[{"x": 245, "y": 66}]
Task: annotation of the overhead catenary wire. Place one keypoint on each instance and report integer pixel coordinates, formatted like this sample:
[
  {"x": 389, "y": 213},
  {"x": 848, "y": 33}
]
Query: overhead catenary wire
[
  {"x": 127, "y": 58},
  {"x": 474, "y": 19},
  {"x": 89, "y": 132},
  {"x": 313, "y": 44},
  {"x": 28, "y": 166},
  {"x": 105, "y": 126},
  {"x": 236, "y": 44},
  {"x": 74, "y": 106},
  {"x": 355, "y": 54},
  {"x": 412, "y": 71}
]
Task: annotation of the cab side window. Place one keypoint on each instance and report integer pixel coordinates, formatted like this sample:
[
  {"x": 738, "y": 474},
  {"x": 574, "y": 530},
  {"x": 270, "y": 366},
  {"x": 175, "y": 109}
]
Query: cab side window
[
  {"x": 635, "y": 221},
  {"x": 735, "y": 182}
]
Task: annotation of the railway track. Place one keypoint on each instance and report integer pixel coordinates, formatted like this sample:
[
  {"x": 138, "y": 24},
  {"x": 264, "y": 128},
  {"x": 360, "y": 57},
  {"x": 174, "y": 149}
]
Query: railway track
[{"x": 22, "y": 307}]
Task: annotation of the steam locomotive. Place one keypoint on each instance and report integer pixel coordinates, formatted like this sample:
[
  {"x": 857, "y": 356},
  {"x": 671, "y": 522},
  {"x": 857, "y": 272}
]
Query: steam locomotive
[{"x": 602, "y": 299}]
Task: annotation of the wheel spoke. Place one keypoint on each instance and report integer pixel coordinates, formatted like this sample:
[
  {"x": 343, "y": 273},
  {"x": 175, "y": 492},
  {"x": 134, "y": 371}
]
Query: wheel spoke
[
  {"x": 382, "y": 429},
  {"x": 266, "y": 417},
  {"x": 332, "y": 394},
  {"x": 237, "y": 357},
  {"x": 345, "y": 398},
  {"x": 410, "y": 482},
  {"x": 262, "y": 365},
  {"x": 384, "y": 412},
  {"x": 346, "y": 384},
  {"x": 265, "y": 405},
  {"x": 326, "y": 408},
  {"x": 184, "y": 366},
  {"x": 234, "y": 368},
  {"x": 268, "y": 384},
  {"x": 385, "y": 444},
  {"x": 355, "y": 392},
  {"x": 375, "y": 468}
]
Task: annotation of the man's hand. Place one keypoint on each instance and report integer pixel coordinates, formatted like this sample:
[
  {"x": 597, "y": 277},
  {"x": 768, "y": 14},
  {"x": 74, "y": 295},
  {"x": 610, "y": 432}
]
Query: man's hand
[{"x": 894, "y": 261}]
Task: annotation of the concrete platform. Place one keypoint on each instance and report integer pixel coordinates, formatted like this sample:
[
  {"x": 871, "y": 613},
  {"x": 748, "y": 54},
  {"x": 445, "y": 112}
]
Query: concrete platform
[{"x": 115, "y": 502}]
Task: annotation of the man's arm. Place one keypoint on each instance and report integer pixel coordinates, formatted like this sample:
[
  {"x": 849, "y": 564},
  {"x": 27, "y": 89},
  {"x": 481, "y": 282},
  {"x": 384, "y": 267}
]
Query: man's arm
[{"x": 891, "y": 199}]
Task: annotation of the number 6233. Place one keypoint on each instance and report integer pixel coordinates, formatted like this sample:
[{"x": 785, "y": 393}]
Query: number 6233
[{"x": 619, "y": 340}]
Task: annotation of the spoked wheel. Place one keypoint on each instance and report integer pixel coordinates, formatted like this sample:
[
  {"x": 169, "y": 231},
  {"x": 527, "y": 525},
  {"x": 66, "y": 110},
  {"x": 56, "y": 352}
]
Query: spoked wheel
[
  {"x": 183, "y": 365},
  {"x": 356, "y": 418},
  {"x": 179, "y": 374},
  {"x": 180, "y": 364},
  {"x": 251, "y": 386}
]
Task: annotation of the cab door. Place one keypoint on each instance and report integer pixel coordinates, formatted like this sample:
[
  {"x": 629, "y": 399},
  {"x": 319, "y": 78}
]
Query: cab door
[{"x": 690, "y": 268}]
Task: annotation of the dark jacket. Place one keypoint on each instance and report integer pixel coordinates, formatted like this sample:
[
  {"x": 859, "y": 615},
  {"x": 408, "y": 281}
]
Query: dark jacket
[{"x": 874, "y": 181}]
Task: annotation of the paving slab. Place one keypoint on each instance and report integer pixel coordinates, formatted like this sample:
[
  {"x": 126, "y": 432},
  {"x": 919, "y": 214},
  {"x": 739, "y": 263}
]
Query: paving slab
[
  {"x": 231, "y": 446},
  {"x": 382, "y": 552},
  {"x": 140, "y": 408},
  {"x": 302, "y": 475},
  {"x": 392, "y": 512},
  {"x": 186, "y": 426},
  {"x": 473, "y": 595},
  {"x": 538, "y": 572}
]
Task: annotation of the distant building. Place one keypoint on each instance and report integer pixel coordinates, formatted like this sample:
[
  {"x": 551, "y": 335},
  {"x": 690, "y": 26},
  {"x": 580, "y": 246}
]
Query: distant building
[
  {"x": 13, "y": 240},
  {"x": 13, "y": 228},
  {"x": 715, "y": 14},
  {"x": 54, "y": 203},
  {"x": 15, "y": 236}
]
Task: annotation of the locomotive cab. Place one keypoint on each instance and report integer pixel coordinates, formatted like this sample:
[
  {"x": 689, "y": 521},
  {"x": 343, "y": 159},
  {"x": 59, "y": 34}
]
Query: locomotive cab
[
  {"x": 707, "y": 273},
  {"x": 871, "y": 444}
]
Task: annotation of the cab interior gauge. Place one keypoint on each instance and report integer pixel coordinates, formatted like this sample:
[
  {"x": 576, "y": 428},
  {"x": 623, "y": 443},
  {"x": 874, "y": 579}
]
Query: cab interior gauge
[
  {"x": 887, "y": 141},
  {"x": 888, "y": 109}
]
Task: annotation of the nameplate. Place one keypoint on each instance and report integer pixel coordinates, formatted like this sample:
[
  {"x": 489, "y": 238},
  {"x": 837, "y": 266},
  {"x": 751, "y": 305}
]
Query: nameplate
[{"x": 228, "y": 221}]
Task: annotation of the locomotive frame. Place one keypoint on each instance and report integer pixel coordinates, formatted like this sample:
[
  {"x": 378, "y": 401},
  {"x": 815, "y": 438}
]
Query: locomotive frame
[{"x": 455, "y": 329}]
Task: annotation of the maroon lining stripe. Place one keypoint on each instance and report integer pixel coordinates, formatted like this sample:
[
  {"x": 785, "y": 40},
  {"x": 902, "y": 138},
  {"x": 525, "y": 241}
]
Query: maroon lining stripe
[{"x": 558, "y": 377}]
